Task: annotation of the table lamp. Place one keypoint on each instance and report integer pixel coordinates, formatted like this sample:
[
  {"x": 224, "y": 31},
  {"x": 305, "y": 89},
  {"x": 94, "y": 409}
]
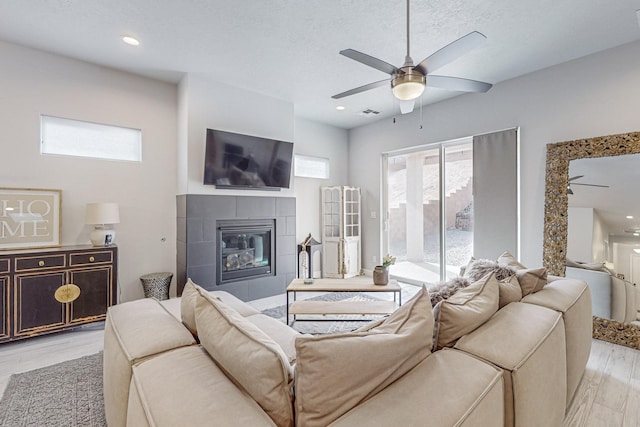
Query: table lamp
[{"x": 102, "y": 215}]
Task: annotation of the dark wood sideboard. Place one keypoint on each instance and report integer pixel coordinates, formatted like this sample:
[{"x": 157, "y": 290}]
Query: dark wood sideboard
[{"x": 30, "y": 278}]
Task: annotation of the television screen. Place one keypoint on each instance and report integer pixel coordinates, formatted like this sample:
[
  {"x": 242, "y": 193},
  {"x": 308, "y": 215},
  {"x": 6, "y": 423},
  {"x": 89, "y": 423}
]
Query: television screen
[{"x": 235, "y": 160}]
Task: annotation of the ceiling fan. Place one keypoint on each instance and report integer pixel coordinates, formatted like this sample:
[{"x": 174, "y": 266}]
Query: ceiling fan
[
  {"x": 408, "y": 81},
  {"x": 573, "y": 178}
]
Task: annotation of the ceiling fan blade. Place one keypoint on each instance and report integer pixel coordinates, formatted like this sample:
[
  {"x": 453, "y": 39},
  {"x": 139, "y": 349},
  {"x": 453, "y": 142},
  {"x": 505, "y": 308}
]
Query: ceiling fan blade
[
  {"x": 451, "y": 52},
  {"x": 369, "y": 60},
  {"x": 361, "y": 89},
  {"x": 458, "y": 84},
  {"x": 590, "y": 185},
  {"x": 406, "y": 107},
  {"x": 576, "y": 177}
]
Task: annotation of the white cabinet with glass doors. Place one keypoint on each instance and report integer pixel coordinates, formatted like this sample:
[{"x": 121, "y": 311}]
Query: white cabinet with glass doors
[{"x": 341, "y": 231}]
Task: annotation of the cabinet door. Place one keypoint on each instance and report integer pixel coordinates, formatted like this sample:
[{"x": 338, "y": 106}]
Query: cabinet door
[
  {"x": 351, "y": 257},
  {"x": 35, "y": 304},
  {"x": 95, "y": 286},
  {"x": 4, "y": 307}
]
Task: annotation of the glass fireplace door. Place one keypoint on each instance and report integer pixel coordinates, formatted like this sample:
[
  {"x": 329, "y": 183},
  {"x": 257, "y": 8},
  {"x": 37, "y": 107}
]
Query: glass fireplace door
[{"x": 245, "y": 250}]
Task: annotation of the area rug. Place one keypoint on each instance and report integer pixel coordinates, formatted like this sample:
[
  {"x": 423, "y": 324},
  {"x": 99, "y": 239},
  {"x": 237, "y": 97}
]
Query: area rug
[
  {"x": 326, "y": 324},
  {"x": 67, "y": 394}
]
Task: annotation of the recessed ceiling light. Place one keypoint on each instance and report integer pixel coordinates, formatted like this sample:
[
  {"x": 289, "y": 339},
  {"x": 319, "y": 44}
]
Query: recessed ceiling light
[
  {"x": 636, "y": 251},
  {"x": 636, "y": 234},
  {"x": 340, "y": 107},
  {"x": 130, "y": 40},
  {"x": 629, "y": 216}
]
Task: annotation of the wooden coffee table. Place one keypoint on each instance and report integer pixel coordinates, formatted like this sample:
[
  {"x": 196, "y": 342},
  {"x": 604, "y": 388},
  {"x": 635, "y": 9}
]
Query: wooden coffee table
[{"x": 354, "y": 284}]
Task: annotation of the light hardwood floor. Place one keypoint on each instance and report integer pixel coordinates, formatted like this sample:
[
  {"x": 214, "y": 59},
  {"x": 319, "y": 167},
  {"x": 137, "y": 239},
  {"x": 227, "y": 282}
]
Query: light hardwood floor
[{"x": 609, "y": 394}]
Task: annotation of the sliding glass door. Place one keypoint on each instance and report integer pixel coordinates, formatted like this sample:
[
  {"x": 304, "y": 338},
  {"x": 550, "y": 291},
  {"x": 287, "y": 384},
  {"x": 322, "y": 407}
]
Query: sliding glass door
[{"x": 429, "y": 211}]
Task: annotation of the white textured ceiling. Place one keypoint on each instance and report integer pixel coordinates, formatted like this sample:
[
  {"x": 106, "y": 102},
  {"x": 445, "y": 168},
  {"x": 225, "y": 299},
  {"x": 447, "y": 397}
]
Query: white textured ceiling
[{"x": 288, "y": 49}]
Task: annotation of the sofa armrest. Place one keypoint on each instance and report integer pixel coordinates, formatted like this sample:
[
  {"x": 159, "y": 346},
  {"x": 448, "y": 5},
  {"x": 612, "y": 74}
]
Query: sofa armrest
[
  {"x": 447, "y": 388},
  {"x": 134, "y": 331}
]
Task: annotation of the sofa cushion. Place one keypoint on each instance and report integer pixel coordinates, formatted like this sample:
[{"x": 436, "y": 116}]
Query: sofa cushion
[
  {"x": 335, "y": 373},
  {"x": 448, "y": 388},
  {"x": 184, "y": 387},
  {"x": 465, "y": 311},
  {"x": 188, "y": 306},
  {"x": 571, "y": 298},
  {"x": 528, "y": 343},
  {"x": 251, "y": 359},
  {"x": 532, "y": 279}
]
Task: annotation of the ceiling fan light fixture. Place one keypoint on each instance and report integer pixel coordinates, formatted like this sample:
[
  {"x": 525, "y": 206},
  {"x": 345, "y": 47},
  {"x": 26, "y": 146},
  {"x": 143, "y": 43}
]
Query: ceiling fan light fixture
[{"x": 408, "y": 86}]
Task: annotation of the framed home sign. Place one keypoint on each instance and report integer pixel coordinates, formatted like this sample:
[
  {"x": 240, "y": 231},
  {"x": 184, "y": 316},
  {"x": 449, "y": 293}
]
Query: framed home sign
[{"x": 29, "y": 218}]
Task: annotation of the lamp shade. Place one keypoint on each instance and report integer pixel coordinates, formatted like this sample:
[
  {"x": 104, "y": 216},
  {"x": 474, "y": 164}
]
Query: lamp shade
[
  {"x": 408, "y": 86},
  {"x": 102, "y": 213}
]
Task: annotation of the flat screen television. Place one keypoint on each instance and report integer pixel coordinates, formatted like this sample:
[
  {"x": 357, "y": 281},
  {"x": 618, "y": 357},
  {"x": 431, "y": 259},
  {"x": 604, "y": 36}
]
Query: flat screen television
[{"x": 234, "y": 160}]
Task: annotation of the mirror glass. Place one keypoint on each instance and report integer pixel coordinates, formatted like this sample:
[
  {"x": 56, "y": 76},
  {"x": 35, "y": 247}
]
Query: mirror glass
[{"x": 603, "y": 232}]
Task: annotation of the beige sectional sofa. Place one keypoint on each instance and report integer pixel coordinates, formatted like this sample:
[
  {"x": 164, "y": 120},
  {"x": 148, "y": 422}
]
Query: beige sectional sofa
[{"x": 521, "y": 367}]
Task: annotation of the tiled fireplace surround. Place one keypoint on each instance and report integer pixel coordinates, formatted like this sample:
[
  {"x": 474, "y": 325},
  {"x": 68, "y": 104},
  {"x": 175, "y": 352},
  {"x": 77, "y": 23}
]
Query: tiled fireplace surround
[{"x": 196, "y": 241}]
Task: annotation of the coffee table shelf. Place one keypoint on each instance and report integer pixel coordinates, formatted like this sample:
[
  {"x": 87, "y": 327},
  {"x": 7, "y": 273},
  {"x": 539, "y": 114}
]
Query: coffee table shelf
[
  {"x": 342, "y": 307},
  {"x": 325, "y": 308}
]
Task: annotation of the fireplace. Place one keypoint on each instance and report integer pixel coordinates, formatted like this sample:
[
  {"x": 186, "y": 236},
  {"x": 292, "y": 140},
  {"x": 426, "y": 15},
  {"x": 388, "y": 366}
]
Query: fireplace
[
  {"x": 246, "y": 250},
  {"x": 199, "y": 245}
]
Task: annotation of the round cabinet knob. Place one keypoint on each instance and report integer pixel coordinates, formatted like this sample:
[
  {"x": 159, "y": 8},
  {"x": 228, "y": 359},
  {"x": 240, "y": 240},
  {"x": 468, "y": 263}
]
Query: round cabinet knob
[
  {"x": 41, "y": 263},
  {"x": 91, "y": 259}
]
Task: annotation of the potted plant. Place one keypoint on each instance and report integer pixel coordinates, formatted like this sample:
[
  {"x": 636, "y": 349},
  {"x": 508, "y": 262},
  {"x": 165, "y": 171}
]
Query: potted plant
[{"x": 381, "y": 272}]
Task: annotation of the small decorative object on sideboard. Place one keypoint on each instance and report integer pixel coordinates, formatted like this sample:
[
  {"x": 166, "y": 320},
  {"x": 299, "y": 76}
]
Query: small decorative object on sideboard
[
  {"x": 102, "y": 215},
  {"x": 381, "y": 272}
]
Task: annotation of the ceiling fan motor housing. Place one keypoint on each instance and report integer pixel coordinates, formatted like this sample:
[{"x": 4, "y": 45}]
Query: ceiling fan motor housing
[{"x": 408, "y": 83}]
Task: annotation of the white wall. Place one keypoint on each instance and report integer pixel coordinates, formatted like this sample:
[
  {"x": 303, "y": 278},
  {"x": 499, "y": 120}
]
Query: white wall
[
  {"x": 209, "y": 104},
  {"x": 600, "y": 239},
  {"x": 622, "y": 258},
  {"x": 315, "y": 139},
  {"x": 204, "y": 103},
  {"x": 580, "y": 234},
  {"x": 588, "y": 97},
  {"x": 33, "y": 83}
]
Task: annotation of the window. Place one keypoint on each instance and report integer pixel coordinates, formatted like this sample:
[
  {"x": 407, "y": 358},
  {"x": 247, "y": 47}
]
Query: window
[
  {"x": 430, "y": 210},
  {"x": 66, "y": 137},
  {"x": 445, "y": 202},
  {"x": 312, "y": 167}
]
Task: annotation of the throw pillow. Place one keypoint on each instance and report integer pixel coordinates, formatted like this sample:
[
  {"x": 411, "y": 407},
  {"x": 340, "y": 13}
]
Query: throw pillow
[
  {"x": 481, "y": 267},
  {"x": 509, "y": 291},
  {"x": 252, "y": 360},
  {"x": 463, "y": 268},
  {"x": 188, "y": 306},
  {"x": 334, "y": 373},
  {"x": 508, "y": 259},
  {"x": 532, "y": 279},
  {"x": 465, "y": 311},
  {"x": 443, "y": 290}
]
